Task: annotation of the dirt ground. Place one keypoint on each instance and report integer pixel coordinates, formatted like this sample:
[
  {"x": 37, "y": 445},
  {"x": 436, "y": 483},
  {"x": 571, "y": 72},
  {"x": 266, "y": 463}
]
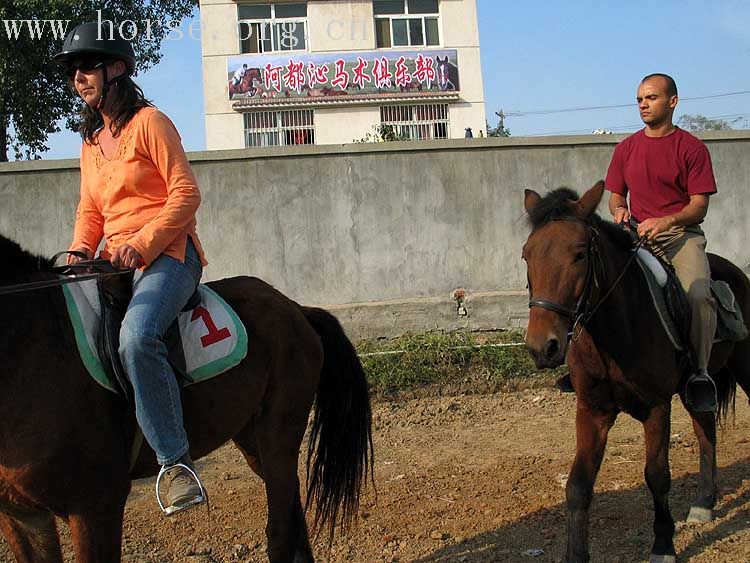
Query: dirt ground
[{"x": 469, "y": 479}]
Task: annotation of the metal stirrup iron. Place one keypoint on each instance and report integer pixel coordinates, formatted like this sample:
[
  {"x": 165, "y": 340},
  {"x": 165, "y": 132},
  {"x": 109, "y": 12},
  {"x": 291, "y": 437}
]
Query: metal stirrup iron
[{"x": 169, "y": 510}]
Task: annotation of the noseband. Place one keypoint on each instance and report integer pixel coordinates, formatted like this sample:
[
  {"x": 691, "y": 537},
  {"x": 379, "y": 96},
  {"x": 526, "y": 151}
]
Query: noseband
[{"x": 584, "y": 310}]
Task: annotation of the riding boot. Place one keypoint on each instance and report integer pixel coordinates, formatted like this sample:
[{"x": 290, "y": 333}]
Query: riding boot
[{"x": 700, "y": 392}]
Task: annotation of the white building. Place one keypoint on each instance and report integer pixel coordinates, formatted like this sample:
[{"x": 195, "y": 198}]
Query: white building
[{"x": 333, "y": 71}]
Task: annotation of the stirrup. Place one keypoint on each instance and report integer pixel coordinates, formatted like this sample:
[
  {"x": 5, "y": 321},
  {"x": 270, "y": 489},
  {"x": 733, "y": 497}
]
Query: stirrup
[
  {"x": 171, "y": 509},
  {"x": 702, "y": 404}
]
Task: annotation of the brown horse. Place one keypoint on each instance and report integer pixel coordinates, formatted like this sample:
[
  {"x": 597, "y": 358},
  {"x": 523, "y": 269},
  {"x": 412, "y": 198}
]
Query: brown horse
[
  {"x": 64, "y": 440},
  {"x": 622, "y": 359},
  {"x": 246, "y": 85}
]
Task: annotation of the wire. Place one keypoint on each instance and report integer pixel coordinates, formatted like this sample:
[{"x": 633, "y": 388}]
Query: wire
[
  {"x": 588, "y": 108},
  {"x": 628, "y": 127}
]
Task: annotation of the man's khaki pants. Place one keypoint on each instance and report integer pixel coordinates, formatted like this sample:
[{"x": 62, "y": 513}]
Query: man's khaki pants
[{"x": 685, "y": 248}]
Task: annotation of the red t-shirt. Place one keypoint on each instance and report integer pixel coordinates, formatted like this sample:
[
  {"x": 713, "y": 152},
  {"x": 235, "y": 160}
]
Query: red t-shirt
[{"x": 660, "y": 173}]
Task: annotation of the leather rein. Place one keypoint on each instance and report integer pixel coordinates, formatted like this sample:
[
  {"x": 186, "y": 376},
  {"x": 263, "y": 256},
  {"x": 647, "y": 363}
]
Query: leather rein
[
  {"x": 71, "y": 273},
  {"x": 584, "y": 309}
]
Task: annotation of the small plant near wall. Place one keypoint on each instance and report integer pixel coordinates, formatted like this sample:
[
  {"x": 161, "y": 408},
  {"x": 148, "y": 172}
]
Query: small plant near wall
[{"x": 382, "y": 133}]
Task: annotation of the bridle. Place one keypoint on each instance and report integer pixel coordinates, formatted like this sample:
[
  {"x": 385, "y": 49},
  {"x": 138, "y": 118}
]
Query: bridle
[
  {"x": 585, "y": 309},
  {"x": 70, "y": 273}
]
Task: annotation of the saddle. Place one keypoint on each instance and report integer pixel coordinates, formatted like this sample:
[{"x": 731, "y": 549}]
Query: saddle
[
  {"x": 673, "y": 308},
  {"x": 115, "y": 293}
]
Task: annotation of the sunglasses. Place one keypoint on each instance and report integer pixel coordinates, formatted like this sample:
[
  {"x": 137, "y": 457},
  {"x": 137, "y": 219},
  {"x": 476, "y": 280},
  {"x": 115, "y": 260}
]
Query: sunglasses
[{"x": 84, "y": 65}]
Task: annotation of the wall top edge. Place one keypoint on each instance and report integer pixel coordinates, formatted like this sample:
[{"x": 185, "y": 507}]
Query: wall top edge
[{"x": 390, "y": 147}]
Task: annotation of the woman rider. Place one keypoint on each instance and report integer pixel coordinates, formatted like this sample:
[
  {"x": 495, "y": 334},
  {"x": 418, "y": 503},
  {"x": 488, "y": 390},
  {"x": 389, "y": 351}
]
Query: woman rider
[{"x": 139, "y": 193}]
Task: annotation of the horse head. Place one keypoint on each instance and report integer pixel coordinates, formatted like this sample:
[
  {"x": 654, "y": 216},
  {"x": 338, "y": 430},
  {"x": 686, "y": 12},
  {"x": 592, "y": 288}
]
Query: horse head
[
  {"x": 558, "y": 268},
  {"x": 443, "y": 73}
]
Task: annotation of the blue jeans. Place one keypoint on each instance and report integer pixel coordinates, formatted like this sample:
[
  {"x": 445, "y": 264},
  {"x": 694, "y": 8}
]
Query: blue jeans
[{"x": 159, "y": 293}]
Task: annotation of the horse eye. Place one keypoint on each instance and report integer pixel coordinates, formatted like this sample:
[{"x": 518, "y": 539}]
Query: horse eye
[{"x": 580, "y": 256}]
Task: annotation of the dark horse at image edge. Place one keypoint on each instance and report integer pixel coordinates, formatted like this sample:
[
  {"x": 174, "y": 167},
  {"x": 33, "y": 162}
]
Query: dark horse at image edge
[
  {"x": 622, "y": 360},
  {"x": 65, "y": 441}
]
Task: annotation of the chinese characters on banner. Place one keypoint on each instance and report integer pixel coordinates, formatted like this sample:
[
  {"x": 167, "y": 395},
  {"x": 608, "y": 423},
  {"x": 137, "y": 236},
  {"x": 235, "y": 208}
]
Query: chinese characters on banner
[{"x": 315, "y": 75}]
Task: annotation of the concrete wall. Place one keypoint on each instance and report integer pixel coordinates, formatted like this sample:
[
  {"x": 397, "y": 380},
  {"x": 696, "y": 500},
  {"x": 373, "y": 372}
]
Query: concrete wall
[{"x": 384, "y": 232}]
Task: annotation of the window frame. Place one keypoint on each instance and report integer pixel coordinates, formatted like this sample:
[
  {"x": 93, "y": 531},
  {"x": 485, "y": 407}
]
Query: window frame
[
  {"x": 407, "y": 16},
  {"x": 273, "y": 22},
  {"x": 416, "y": 119},
  {"x": 295, "y": 123}
]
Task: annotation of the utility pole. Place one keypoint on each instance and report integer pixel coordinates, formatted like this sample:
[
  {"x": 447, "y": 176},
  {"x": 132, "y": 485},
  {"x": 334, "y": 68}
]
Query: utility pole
[{"x": 501, "y": 115}]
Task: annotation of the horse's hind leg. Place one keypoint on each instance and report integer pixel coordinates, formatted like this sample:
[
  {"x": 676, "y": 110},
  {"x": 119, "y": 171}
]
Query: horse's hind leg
[
  {"x": 32, "y": 536},
  {"x": 656, "y": 429},
  {"x": 286, "y": 531},
  {"x": 704, "y": 427}
]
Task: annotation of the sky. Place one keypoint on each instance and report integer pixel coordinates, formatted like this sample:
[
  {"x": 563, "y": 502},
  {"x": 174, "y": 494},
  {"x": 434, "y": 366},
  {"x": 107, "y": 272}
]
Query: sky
[{"x": 544, "y": 57}]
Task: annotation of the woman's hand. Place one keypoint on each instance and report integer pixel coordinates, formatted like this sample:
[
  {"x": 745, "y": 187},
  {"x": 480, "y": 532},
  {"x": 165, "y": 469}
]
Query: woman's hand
[
  {"x": 126, "y": 257},
  {"x": 73, "y": 259}
]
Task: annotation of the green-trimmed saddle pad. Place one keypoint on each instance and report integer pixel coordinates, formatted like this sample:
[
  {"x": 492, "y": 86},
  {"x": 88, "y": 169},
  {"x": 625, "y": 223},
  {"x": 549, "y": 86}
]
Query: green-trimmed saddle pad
[{"x": 214, "y": 339}]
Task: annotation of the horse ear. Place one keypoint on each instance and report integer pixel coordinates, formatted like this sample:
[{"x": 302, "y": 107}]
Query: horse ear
[
  {"x": 530, "y": 200},
  {"x": 588, "y": 203}
]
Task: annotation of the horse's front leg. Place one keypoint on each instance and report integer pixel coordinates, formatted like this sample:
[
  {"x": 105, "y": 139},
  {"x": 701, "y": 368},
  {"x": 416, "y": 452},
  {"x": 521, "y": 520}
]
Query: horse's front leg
[
  {"x": 656, "y": 428},
  {"x": 32, "y": 535},
  {"x": 592, "y": 428}
]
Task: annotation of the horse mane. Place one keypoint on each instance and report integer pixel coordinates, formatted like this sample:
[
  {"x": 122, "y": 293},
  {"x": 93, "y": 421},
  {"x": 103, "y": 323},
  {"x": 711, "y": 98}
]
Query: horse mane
[
  {"x": 18, "y": 263},
  {"x": 558, "y": 204}
]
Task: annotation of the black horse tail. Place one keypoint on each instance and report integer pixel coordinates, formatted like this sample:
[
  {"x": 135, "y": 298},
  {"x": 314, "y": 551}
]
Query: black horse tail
[
  {"x": 726, "y": 391},
  {"x": 339, "y": 454}
]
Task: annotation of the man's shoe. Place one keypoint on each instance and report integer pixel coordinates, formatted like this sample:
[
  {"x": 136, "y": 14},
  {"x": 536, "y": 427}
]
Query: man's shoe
[
  {"x": 182, "y": 488},
  {"x": 700, "y": 392},
  {"x": 564, "y": 384}
]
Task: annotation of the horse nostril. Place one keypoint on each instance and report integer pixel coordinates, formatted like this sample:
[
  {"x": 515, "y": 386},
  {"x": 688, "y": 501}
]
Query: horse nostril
[{"x": 551, "y": 348}]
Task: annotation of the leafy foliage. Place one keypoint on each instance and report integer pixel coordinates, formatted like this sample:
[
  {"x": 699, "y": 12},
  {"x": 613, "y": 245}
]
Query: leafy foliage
[
  {"x": 499, "y": 131},
  {"x": 701, "y": 123},
  {"x": 34, "y": 94},
  {"x": 383, "y": 133}
]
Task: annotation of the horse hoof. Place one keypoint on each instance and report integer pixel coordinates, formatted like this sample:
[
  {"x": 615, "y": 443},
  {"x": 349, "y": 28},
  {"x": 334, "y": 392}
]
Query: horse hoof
[
  {"x": 699, "y": 515},
  {"x": 663, "y": 559}
]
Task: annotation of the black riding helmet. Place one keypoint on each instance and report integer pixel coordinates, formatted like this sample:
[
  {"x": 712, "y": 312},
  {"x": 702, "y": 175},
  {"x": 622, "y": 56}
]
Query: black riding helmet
[
  {"x": 105, "y": 42},
  {"x": 85, "y": 40}
]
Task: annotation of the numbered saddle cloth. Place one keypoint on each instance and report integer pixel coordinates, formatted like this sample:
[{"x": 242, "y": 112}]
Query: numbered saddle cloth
[{"x": 213, "y": 339}]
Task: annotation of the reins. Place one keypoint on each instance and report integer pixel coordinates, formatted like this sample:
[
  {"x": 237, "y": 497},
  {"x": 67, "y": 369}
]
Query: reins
[
  {"x": 92, "y": 269},
  {"x": 584, "y": 311}
]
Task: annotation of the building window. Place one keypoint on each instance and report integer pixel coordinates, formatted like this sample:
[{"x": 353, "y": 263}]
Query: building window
[
  {"x": 406, "y": 23},
  {"x": 279, "y": 128},
  {"x": 417, "y": 122},
  {"x": 265, "y": 28}
]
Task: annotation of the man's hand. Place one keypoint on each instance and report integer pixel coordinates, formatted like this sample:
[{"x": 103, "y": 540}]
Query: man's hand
[
  {"x": 72, "y": 259},
  {"x": 126, "y": 257},
  {"x": 621, "y": 215},
  {"x": 652, "y": 227}
]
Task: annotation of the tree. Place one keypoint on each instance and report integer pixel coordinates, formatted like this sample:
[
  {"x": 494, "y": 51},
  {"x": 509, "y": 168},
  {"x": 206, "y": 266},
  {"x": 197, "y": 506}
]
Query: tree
[
  {"x": 34, "y": 94},
  {"x": 499, "y": 131},
  {"x": 700, "y": 123}
]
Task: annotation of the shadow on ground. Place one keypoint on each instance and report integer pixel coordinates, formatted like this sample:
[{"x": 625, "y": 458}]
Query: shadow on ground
[{"x": 621, "y": 526}]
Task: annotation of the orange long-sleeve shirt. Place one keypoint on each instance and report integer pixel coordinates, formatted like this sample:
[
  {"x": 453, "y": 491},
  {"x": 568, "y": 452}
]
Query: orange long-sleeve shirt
[{"x": 146, "y": 196}]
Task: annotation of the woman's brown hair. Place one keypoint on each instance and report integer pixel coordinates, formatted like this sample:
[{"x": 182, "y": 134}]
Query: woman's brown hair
[{"x": 127, "y": 99}]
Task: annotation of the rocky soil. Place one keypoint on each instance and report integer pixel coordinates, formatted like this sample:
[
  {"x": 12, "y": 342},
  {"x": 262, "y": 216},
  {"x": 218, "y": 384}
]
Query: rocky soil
[{"x": 472, "y": 478}]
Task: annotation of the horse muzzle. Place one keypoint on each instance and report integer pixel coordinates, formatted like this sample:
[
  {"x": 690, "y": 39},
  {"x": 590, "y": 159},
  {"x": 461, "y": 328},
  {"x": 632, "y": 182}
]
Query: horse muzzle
[{"x": 550, "y": 354}]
